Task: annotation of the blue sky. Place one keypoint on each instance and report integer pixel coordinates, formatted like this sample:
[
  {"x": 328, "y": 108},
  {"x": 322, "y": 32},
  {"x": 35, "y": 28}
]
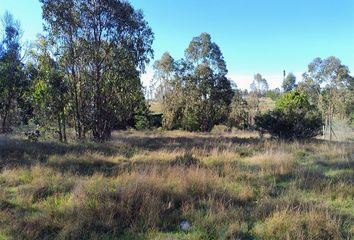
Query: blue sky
[{"x": 254, "y": 35}]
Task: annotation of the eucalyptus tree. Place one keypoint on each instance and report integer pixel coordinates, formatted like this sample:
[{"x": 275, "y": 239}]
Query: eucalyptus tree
[
  {"x": 289, "y": 82},
  {"x": 63, "y": 23},
  {"x": 169, "y": 89},
  {"x": 253, "y": 108},
  {"x": 208, "y": 89},
  {"x": 196, "y": 93},
  {"x": 333, "y": 82},
  {"x": 50, "y": 89},
  {"x": 12, "y": 76},
  {"x": 164, "y": 75},
  {"x": 239, "y": 111},
  {"x": 259, "y": 85},
  {"x": 106, "y": 45}
]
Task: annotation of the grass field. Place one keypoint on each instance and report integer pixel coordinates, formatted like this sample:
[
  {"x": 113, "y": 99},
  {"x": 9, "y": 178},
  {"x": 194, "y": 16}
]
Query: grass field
[{"x": 142, "y": 185}]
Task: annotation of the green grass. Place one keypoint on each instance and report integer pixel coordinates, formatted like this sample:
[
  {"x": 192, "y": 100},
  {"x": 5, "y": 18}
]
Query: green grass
[{"x": 141, "y": 185}]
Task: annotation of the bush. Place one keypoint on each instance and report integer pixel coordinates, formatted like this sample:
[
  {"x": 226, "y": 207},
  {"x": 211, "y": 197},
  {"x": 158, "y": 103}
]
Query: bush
[
  {"x": 293, "y": 118},
  {"x": 33, "y": 136},
  {"x": 273, "y": 94},
  {"x": 186, "y": 160},
  {"x": 142, "y": 122}
]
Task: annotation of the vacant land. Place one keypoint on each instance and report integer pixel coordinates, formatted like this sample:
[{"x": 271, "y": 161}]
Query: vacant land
[{"x": 142, "y": 185}]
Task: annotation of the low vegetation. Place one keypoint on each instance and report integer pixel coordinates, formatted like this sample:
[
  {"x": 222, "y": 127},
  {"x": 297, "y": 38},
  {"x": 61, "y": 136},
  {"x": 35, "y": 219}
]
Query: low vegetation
[
  {"x": 293, "y": 118},
  {"x": 142, "y": 185}
]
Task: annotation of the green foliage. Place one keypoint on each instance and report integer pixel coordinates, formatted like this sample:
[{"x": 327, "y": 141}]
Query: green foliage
[
  {"x": 50, "y": 92},
  {"x": 273, "y": 94},
  {"x": 155, "y": 120},
  {"x": 196, "y": 94},
  {"x": 253, "y": 108},
  {"x": 293, "y": 118},
  {"x": 33, "y": 136},
  {"x": 190, "y": 118},
  {"x": 328, "y": 83},
  {"x": 293, "y": 101},
  {"x": 103, "y": 46},
  {"x": 142, "y": 122},
  {"x": 12, "y": 77},
  {"x": 238, "y": 116},
  {"x": 289, "y": 82}
]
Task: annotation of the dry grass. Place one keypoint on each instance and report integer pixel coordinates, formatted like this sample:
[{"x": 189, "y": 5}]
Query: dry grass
[
  {"x": 141, "y": 185},
  {"x": 274, "y": 163},
  {"x": 313, "y": 224}
]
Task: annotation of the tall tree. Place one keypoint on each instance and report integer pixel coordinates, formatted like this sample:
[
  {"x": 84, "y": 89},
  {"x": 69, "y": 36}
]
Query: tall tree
[
  {"x": 11, "y": 70},
  {"x": 169, "y": 90},
  {"x": 106, "y": 45},
  {"x": 289, "y": 82},
  {"x": 259, "y": 85},
  {"x": 197, "y": 93},
  {"x": 238, "y": 116},
  {"x": 253, "y": 108},
  {"x": 335, "y": 79},
  {"x": 164, "y": 69},
  {"x": 208, "y": 85},
  {"x": 50, "y": 91},
  {"x": 62, "y": 23}
]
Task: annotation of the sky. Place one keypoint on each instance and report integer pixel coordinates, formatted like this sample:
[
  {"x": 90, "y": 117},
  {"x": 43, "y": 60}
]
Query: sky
[{"x": 255, "y": 36}]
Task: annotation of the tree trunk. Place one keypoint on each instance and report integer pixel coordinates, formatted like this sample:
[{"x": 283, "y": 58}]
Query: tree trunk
[
  {"x": 78, "y": 127},
  {"x": 3, "y": 126},
  {"x": 64, "y": 127},
  {"x": 6, "y": 114},
  {"x": 77, "y": 111},
  {"x": 59, "y": 129}
]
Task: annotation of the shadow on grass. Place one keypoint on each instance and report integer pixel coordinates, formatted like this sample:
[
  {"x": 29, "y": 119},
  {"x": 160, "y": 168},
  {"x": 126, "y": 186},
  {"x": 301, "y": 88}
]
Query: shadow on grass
[
  {"x": 15, "y": 152},
  {"x": 186, "y": 143},
  {"x": 337, "y": 165},
  {"x": 18, "y": 152},
  {"x": 88, "y": 168}
]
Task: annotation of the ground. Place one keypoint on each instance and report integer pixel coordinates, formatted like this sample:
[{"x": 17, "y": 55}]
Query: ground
[{"x": 142, "y": 185}]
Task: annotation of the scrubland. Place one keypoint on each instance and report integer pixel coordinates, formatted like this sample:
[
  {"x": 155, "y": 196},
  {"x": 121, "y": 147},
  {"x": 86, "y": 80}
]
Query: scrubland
[{"x": 142, "y": 185}]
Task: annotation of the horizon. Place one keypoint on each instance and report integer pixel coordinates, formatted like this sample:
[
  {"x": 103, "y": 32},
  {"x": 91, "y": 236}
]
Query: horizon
[{"x": 254, "y": 36}]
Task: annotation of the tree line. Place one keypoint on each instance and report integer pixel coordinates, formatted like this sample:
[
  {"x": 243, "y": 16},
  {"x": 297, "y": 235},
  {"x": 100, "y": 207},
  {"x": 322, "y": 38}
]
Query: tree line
[
  {"x": 196, "y": 95},
  {"x": 84, "y": 72}
]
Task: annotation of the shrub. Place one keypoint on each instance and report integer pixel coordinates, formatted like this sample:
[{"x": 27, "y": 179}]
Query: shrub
[
  {"x": 142, "y": 122},
  {"x": 186, "y": 160},
  {"x": 293, "y": 118},
  {"x": 33, "y": 136}
]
